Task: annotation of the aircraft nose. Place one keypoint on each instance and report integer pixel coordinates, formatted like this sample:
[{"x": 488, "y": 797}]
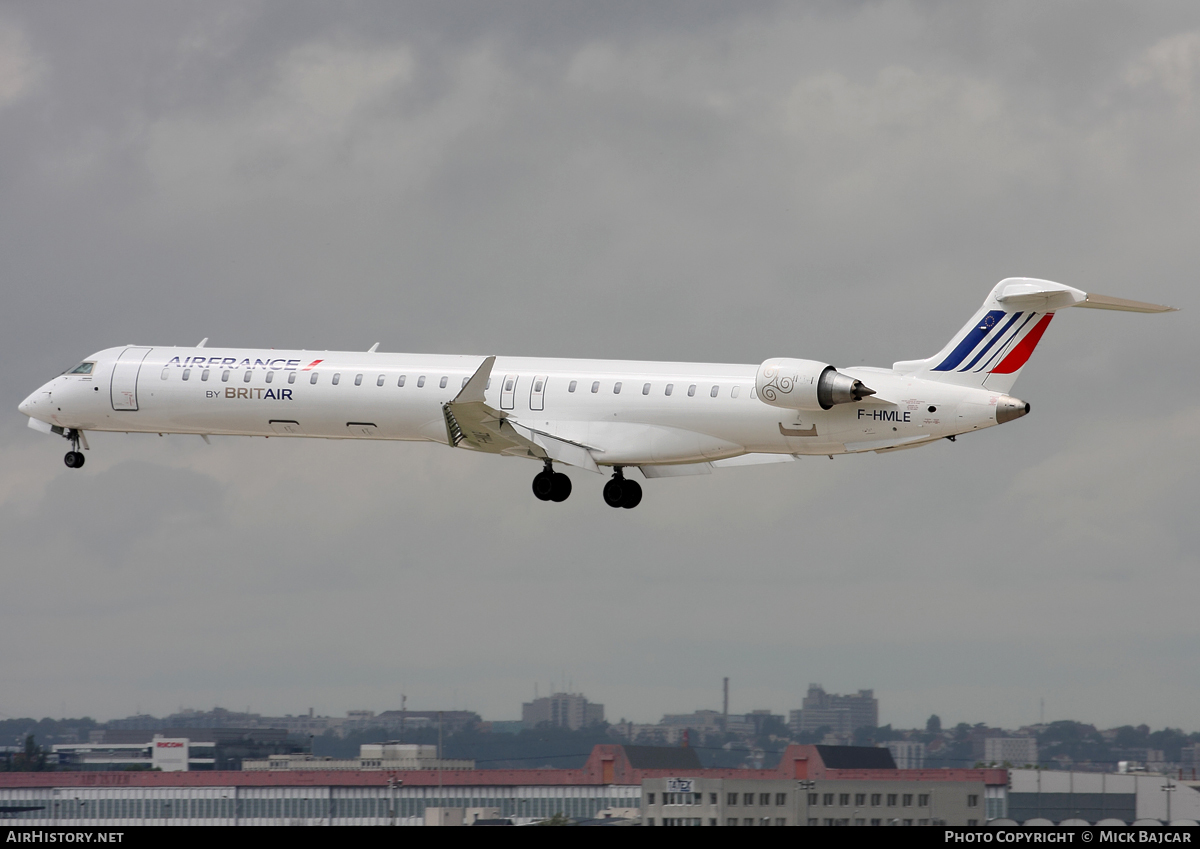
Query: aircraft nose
[{"x": 27, "y": 406}]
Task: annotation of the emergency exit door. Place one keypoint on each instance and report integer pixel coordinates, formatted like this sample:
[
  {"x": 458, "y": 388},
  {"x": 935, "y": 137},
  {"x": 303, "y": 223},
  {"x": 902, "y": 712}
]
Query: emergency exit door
[{"x": 508, "y": 392}]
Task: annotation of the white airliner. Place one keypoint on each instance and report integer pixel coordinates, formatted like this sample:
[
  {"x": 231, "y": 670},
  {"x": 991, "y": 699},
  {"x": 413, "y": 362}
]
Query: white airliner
[{"x": 667, "y": 419}]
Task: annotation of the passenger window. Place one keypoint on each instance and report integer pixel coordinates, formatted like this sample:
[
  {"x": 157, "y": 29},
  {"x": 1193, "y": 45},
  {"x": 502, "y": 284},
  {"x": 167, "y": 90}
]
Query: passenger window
[
  {"x": 617, "y": 388},
  {"x": 442, "y": 385},
  {"x": 595, "y": 387},
  {"x": 713, "y": 394},
  {"x": 646, "y": 389},
  {"x": 187, "y": 372},
  {"x": 508, "y": 385},
  {"x": 337, "y": 378},
  {"x": 246, "y": 377},
  {"x": 166, "y": 371},
  {"x": 670, "y": 388},
  {"x": 291, "y": 377},
  {"x": 537, "y": 386},
  {"x": 571, "y": 386},
  {"x": 733, "y": 393},
  {"x": 691, "y": 390},
  {"x": 313, "y": 379},
  {"x": 204, "y": 375},
  {"x": 225, "y": 376},
  {"x": 420, "y": 381},
  {"x": 358, "y": 380},
  {"x": 270, "y": 376},
  {"x": 400, "y": 382},
  {"x": 379, "y": 380}
]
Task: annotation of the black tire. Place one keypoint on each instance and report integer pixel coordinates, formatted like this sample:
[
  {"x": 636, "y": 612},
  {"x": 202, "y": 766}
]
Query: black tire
[
  {"x": 614, "y": 492},
  {"x": 561, "y": 490},
  {"x": 631, "y": 495},
  {"x": 74, "y": 459},
  {"x": 543, "y": 486}
]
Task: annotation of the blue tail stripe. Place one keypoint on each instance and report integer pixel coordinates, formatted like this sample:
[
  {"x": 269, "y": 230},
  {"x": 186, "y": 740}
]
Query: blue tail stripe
[
  {"x": 989, "y": 345},
  {"x": 1008, "y": 341},
  {"x": 973, "y": 338}
]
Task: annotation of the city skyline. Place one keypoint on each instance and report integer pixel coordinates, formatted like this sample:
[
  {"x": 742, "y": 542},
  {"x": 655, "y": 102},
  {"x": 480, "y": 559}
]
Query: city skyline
[{"x": 683, "y": 182}]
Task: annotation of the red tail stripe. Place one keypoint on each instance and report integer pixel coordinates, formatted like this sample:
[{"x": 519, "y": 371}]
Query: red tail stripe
[{"x": 1019, "y": 355}]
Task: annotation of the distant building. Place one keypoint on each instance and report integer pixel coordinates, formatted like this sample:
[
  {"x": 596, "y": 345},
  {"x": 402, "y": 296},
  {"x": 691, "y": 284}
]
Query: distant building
[
  {"x": 371, "y": 756},
  {"x": 562, "y": 710},
  {"x": 906, "y": 753},
  {"x": 842, "y": 714},
  {"x": 1017, "y": 751},
  {"x": 1189, "y": 761},
  {"x": 810, "y": 785},
  {"x": 704, "y": 721},
  {"x": 174, "y": 750}
]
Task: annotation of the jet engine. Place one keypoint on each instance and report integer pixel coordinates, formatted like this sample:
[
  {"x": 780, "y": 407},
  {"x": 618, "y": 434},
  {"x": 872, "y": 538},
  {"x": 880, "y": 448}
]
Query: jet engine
[{"x": 806, "y": 385}]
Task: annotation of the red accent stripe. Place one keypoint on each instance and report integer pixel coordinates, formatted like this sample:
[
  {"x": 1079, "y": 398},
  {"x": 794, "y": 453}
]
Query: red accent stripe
[
  {"x": 1019, "y": 355},
  {"x": 310, "y": 365}
]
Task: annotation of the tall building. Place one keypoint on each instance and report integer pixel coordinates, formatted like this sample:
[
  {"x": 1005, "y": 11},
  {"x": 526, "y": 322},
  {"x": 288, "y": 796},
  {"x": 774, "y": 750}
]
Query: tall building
[
  {"x": 842, "y": 714},
  {"x": 562, "y": 710},
  {"x": 907, "y": 754},
  {"x": 1017, "y": 751}
]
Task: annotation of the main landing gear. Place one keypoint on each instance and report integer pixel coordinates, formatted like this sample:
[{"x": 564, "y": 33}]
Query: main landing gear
[
  {"x": 619, "y": 492},
  {"x": 550, "y": 485},
  {"x": 74, "y": 458}
]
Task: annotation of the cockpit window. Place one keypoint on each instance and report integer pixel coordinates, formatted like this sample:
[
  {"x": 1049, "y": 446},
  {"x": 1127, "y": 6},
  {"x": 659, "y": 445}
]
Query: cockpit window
[{"x": 82, "y": 368}]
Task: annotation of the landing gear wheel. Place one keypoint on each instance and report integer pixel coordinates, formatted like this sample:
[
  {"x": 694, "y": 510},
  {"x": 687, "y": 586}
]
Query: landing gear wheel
[
  {"x": 560, "y": 489},
  {"x": 614, "y": 492},
  {"x": 74, "y": 459},
  {"x": 631, "y": 495},
  {"x": 543, "y": 486}
]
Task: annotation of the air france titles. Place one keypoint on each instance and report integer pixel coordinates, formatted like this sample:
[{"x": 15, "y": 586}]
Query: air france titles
[{"x": 246, "y": 392}]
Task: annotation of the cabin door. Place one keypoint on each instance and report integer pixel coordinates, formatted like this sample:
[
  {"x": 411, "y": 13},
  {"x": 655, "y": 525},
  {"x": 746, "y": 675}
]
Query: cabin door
[{"x": 123, "y": 388}]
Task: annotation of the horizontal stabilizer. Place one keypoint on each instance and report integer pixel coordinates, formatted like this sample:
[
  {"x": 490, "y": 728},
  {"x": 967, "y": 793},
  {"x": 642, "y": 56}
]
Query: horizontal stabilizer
[{"x": 1104, "y": 302}]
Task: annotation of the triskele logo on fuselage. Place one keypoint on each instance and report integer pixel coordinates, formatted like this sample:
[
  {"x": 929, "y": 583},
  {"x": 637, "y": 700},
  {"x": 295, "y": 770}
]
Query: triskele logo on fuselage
[
  {"x": 233, "y": 363},
  {"x": 991, "y": 330},
  {"x": 663, "y": 420}
]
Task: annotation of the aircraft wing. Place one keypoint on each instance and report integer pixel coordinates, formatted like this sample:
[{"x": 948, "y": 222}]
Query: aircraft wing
[{"x": 471, "y": 423}]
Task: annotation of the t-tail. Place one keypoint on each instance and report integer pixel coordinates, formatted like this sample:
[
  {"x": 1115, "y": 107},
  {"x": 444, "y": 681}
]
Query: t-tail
[{"x": 992, "y": 348}]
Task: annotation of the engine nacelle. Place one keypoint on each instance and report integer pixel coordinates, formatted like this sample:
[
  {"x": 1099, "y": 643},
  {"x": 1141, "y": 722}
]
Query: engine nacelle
[{"x": 806, "y": 385}]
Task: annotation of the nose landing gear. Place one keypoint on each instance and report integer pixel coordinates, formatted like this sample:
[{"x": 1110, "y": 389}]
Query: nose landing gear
[
  {"x": 74, "y": 458},
  {"x": 619, "y": 492},
  {"x": 550, "y": 485}
]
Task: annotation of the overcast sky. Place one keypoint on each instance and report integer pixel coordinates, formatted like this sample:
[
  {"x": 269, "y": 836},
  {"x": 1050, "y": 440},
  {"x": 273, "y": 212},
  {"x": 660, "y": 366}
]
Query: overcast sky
[{"x": 718, "y": 182}]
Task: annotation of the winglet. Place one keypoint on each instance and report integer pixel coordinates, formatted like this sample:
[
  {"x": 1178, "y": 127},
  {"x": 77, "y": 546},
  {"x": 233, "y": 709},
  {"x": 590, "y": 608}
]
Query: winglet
[
  {"x": 475, "y": 387},
  {"x": 203, "y": 342},
  {"x": 373, "y": 348}
]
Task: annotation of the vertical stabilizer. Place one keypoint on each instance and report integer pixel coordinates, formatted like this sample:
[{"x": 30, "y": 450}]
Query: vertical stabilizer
[{"x": 992, "y": 348}]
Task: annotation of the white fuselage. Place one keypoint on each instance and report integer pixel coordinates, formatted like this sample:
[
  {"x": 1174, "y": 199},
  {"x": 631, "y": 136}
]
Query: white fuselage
[{"x": 625, "y": 412}]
